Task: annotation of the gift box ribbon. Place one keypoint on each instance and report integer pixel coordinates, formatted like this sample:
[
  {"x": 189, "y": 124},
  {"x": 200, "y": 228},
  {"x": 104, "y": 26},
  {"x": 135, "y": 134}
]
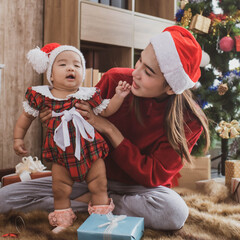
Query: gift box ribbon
[
  {"x": 27, "y": 166},
  {"x": 113, "y": 222}
]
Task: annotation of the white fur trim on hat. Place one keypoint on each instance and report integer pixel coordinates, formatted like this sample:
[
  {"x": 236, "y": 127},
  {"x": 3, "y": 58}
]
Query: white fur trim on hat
[
  {"x": 38, "y": 60},
  {"x": 170, "y": 63},
  {"x": 54, "y": 53}
]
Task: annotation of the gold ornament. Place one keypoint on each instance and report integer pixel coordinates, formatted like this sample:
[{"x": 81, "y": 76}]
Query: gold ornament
[
  {"x": 228, "y": 130},
  {"x": 233, "y": 132},
  {"x": 222, "y": 88},
  {"x": 214, "y": 27},
  {"x": 236, "y": 16},
  {"x": 225, "y": 133},
  {"x": 236, "y": 124},
  {"x": 200, "y": 24},
  {"x": 187, "y": 16}
]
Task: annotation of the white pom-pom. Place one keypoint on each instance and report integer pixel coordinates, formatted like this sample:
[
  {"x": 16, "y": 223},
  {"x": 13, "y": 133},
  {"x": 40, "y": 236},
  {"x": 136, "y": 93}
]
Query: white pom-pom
[
  {"x": 205, "y": 59},
  {"x": 38, "y": 59}
]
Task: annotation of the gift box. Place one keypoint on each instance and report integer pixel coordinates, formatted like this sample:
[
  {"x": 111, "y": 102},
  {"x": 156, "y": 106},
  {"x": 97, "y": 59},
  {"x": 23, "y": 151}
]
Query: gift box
[
  {"x": 200, "y": 185},
  {"x": 200, "y": 169},
  {"x": 114, "y": 227},
  {"x": 13, "y": 178},
  {"x": 232, "y": 170},
  {"x": 237, "y": 43},
  {"x": 200, "y": 24},
  {"x": 235, "y": 189}
]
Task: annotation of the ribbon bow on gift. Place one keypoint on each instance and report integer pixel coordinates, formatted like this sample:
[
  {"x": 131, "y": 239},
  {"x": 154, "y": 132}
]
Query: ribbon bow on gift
[
  {"x": 113, "y": 222},
  {"x": 226, "y": 129},
  {"x": 27, "y": 166},
  {"x": 82, "y": 127}
]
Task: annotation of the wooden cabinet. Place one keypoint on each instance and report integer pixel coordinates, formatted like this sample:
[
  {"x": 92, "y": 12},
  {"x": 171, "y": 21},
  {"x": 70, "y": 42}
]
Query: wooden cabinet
[
  {"x": 108, "y": 36},
  {"x": 146, "y": 27},
  {"x": 105, "y": 25}
]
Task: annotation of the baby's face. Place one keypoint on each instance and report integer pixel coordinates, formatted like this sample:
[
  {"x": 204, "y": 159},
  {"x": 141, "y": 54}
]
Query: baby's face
[{"x": 67, "y": 71}]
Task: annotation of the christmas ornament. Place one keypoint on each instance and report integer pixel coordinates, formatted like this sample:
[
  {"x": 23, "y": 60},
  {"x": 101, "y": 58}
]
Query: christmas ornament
[
  {"x": 200, "y": 24},
  {"x": 227, "y": 130},
  {"x": 183, "y": 3},
  {"x": 219, "y": 17},
  {"x": 237, "y": 43},
  {"x": 205, "y": 59},
  {"x": 231, "y": 76},
  {"x": 179, "y": 15},
  {"x": 187, "y": 16},
  {"x": 226, "y": 44},
  {"x": 222, "y": 88}
]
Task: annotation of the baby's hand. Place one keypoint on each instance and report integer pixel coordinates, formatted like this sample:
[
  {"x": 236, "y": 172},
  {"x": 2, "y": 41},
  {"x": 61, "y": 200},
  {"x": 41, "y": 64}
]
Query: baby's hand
[
  {"x": 19, "y": 147},
  {"x": 123, "y": 88}
]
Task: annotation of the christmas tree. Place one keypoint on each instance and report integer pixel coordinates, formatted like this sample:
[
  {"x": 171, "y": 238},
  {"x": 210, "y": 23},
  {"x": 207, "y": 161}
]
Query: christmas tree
[{"x": 218, "y": 90}]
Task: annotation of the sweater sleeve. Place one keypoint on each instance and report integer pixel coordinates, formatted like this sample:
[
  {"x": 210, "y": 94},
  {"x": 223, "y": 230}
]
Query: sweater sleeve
[{"x": 156, "y": 168}]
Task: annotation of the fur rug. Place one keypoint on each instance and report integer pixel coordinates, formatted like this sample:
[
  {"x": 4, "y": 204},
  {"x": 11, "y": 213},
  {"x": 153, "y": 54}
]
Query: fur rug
[{"x": 213, "y": 215}]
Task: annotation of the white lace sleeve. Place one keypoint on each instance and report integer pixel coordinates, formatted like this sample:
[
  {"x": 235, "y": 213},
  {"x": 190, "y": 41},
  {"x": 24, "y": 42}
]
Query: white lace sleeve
[
  {"x": 30, "y": 110},
  {"x": 101, "y": 107}
]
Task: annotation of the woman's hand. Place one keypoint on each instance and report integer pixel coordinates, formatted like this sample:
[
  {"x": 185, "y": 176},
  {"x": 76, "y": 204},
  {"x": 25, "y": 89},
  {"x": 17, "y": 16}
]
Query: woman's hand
[
  {"x": 45, "y": 115},
  {"x": 19, "y": 147},
  {"x": 87, "y": 113},
  {"x": 100, "y": 124}
]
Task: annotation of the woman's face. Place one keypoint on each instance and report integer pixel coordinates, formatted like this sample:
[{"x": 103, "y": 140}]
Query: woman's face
[{"x": 148, "y": 80}]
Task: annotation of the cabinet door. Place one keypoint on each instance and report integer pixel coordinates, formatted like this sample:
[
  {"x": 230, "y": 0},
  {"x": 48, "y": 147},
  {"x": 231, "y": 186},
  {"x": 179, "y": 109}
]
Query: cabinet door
[
  {"x": 146, "y": 27},
  {"x": 107, "y": 25}
]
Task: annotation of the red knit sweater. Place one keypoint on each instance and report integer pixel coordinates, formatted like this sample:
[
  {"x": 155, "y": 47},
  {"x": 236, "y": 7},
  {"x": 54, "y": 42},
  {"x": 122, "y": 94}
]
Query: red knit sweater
[{"x": 145, "y": 156}]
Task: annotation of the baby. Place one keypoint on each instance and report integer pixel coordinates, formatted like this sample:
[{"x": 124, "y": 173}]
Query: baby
[{"x": 74, "y": 147}]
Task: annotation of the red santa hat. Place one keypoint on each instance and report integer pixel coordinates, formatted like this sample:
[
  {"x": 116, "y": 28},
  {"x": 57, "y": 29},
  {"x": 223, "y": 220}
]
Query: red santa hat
[
  {"x": 179, "y": 56},
  {"x": 43, "y": 59}
]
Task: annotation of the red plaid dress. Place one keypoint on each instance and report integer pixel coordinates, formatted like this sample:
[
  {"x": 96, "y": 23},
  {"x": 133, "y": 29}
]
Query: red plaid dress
[{"x": 40, "y": 97}]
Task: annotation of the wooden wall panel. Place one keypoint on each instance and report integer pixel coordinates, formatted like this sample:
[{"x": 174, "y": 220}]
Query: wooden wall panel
[
  {"x": 21, "y": 29},
  {"x": 61, "y": 22}
]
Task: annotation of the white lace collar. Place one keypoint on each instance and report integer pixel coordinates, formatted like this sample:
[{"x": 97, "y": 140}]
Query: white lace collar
[{"x": 83, "y": 93}]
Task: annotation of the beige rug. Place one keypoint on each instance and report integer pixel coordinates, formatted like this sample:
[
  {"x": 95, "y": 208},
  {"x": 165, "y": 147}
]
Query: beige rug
[{"x": 213, "y": 216}]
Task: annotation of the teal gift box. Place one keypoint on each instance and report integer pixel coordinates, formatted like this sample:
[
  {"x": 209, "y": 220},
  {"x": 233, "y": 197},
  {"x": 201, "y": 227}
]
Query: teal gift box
[{"x": 111, "y": 227}]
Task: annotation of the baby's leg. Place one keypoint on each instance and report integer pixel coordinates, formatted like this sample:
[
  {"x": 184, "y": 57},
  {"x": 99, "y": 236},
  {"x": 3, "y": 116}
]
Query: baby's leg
[
  {"x": 62, "y": 186},
  {"x": 97, "y": 183},
  {"x": 63, "y": 216}
]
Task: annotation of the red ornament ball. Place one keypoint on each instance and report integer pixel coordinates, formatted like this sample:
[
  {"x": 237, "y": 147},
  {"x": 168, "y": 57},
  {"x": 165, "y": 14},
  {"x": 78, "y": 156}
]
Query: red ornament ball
[{"x": 226, "y": 44}]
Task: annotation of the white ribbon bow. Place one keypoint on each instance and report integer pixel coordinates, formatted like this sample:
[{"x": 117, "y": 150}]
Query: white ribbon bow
[
  {"x": 82, "y": 128},
  {"x": 113, "y": 222},
  {"x": 27, "y": 166}
]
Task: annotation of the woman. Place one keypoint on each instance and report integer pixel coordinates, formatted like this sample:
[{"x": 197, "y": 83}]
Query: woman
[{"x": 150, "y": 136}]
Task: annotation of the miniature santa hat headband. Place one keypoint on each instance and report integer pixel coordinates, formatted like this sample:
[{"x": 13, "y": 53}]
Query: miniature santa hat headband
[
  {"x": 179, "y": 56},
  {"x": 43, "y": 59}
]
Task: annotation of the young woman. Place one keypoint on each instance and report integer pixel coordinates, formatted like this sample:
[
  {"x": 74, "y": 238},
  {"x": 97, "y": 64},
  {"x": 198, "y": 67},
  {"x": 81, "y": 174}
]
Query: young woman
[{"x": 150, "y": 136}]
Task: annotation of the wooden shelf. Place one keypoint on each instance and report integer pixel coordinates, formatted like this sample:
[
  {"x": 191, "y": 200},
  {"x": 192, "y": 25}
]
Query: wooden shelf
[
  {"x": 108, "y": 36},
  {"x": 105, "y": 25},
  {"x": 142, "y": 31}
]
